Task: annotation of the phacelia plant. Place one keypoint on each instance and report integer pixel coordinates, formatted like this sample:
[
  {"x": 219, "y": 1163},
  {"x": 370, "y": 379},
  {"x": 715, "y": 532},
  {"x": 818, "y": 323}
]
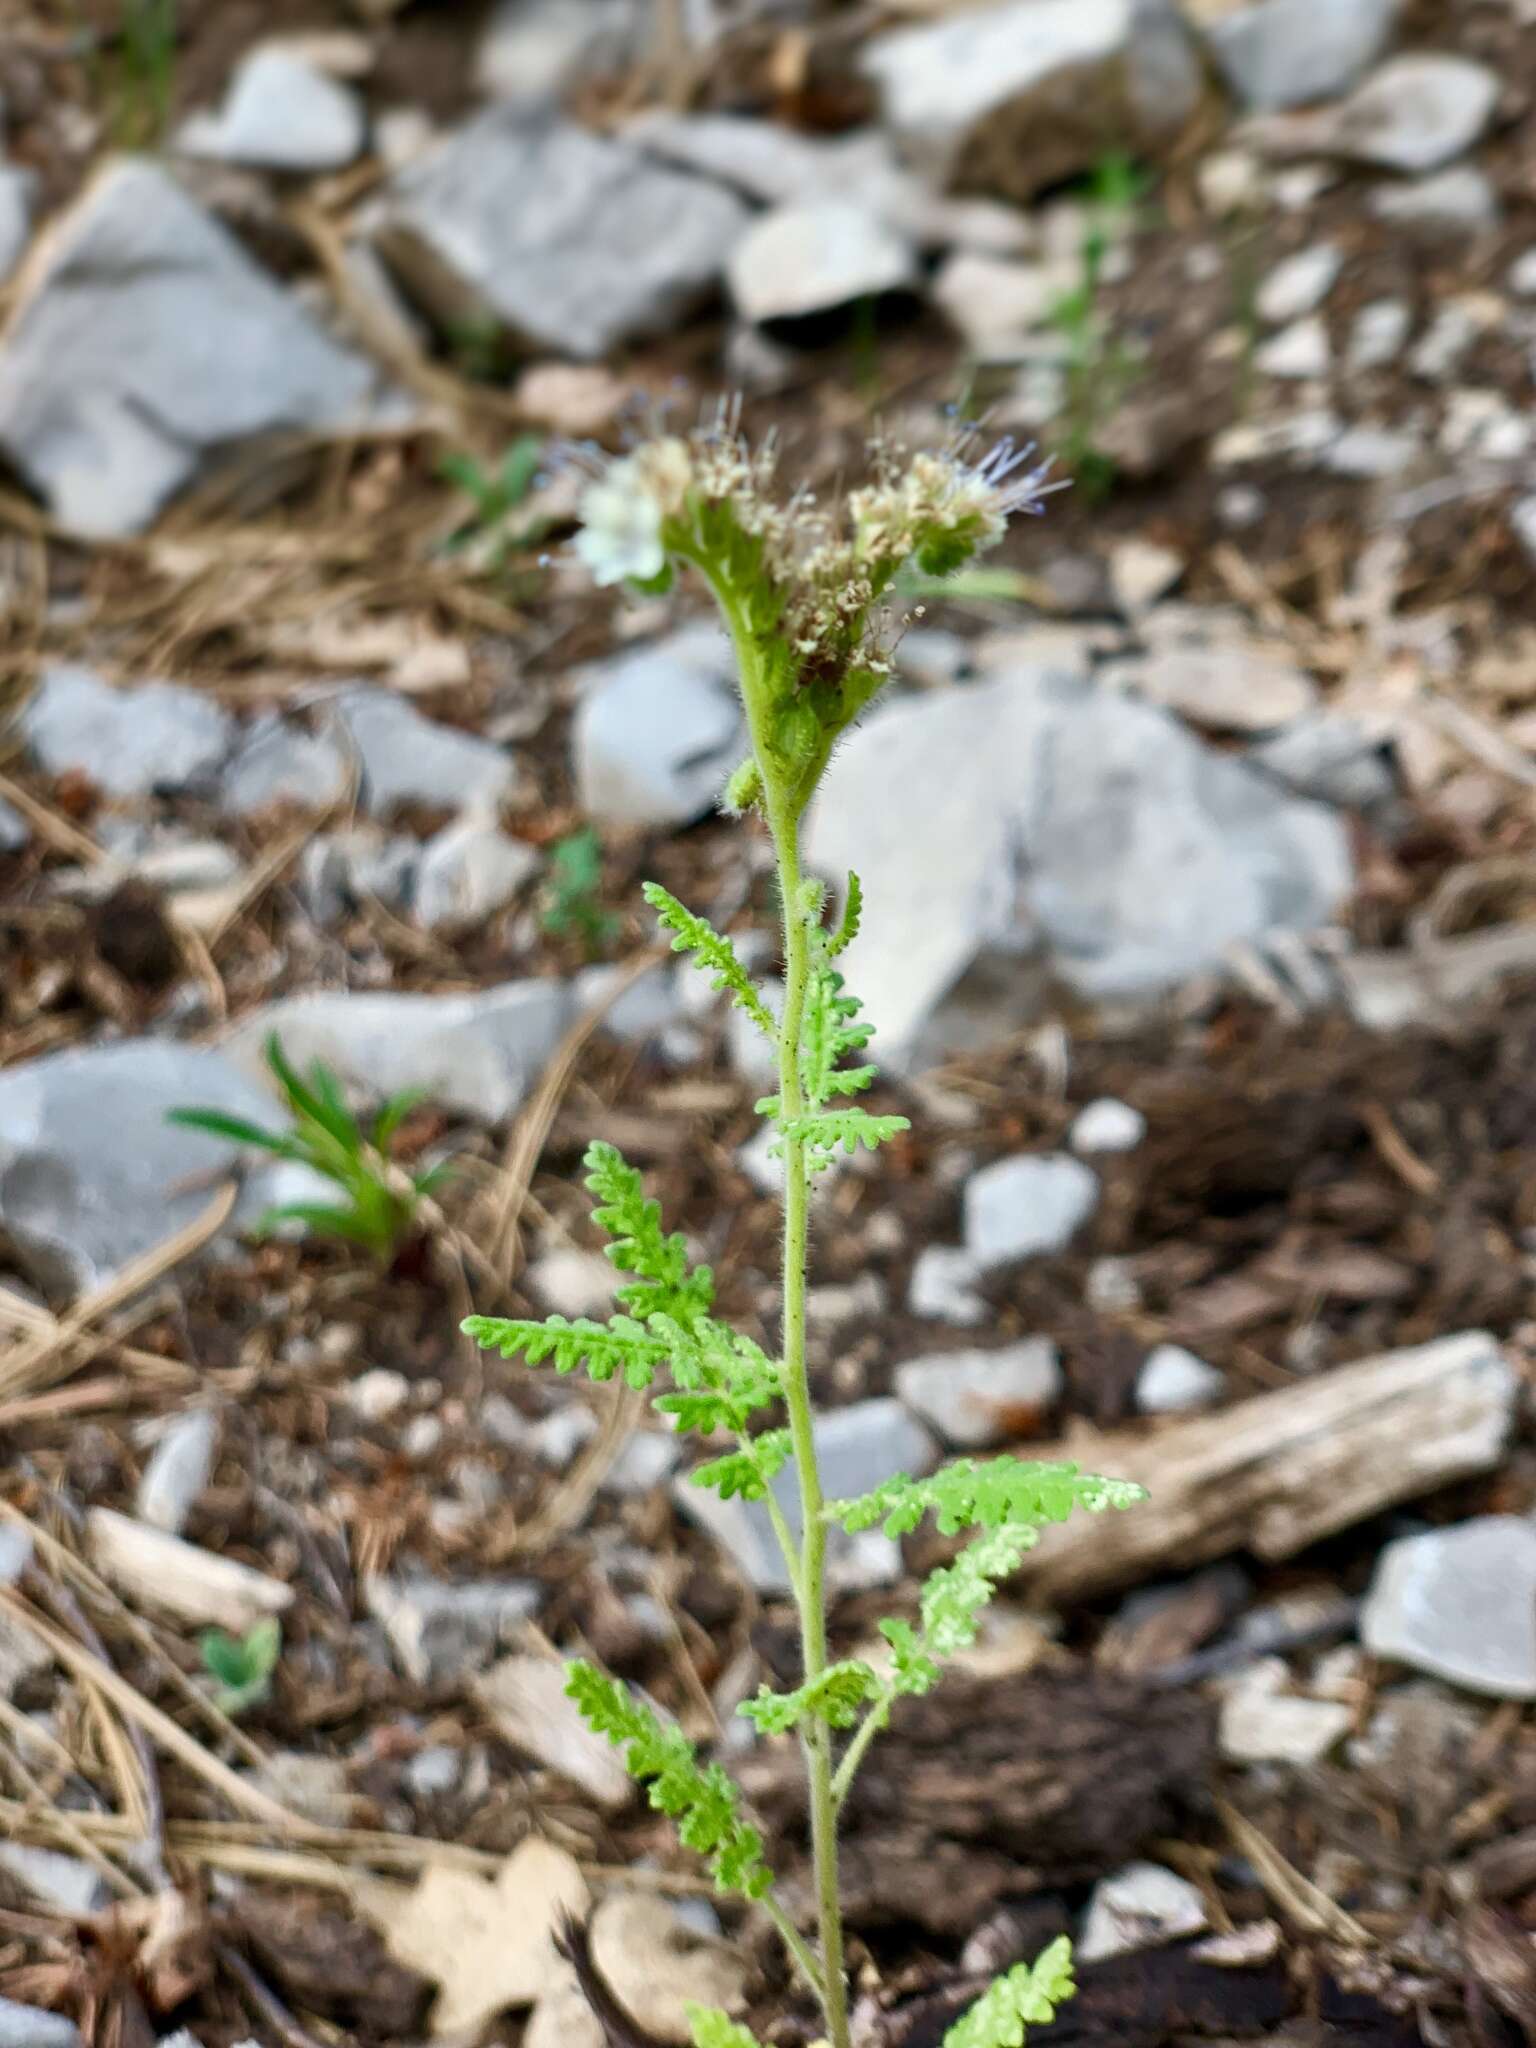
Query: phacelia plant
[{"x": 802, "y": 596}]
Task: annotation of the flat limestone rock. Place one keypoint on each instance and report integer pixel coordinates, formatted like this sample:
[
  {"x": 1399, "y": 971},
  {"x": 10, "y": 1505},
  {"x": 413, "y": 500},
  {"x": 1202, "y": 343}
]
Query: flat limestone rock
[
  {"x": 658, "y": 730},
  {"x": 526, "y": 1701},
  {"x": 1460, "y": 1603},
  {"x": 177, "y": 1578},
  {"x": 125, "y": 742},
  {"x": 147, "y": 341},
  {"x": 281, "y": 114},
  {"x": 576, "y": 243}
]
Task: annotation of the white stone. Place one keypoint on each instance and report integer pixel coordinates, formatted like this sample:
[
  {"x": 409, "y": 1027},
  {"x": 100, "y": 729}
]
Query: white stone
[
  {"x": 526, "y": 1701},
  {"x": 1461, "y": 197},
  {"x": 658, "y": 730},
  {"x": 130, "y": 742},
  {"x": 1285, "y": 53},
  {"x": 1230, "y": 181},
  {"x": 62, "y": 1882},
  {"x": 342, "y": 872},
  {"x": 1456, "y": 325},
  {"x": 278, "y": 762},
  {"x": 1380, "y": 329},
  {"x": 1140, "y": 572},
  {"x": 1460, "y": 1603},
  {"x": 943, "y": 1287},
  {"x": 997, "y": 306},
  {"x": 174, "y": 1577},
  {"x": 815, "y": 256},
  {"x": 379, "y": 1393},
  {"x": 1036, "y": 812},
  {"x": 1522, "y": 519},
  {"x": 857, "y": 1448},
  {"x": 93, "y": 1175},
  {"x": 478, "y": 1054},
  {"x": 28, "y": 2026},
  {"x": 534, "y": 49},
  {"x": 280, "y": 114},
  {"x": 440, "y": 1631},
  {"x": 1028, "y": 1204},
  {"x": 1298, "y": 285},
  {"x": 977, "y": 1398},
  {"x": 17, "y": 193},
  {"x": 1173, "y": 1381},
  {"x": 467, "y": 872},
  {"x": 178, "y": 1470},
  {"x": 1262, "y": 1722},
  {"x": 1364, "y": 451},
  {"x": 147, "y": 342},
  {"x": 1106, "y": 1125},
  {"x": 1227, "y": 684},
  {"x": 1141, "y": 1906},
  {"x": 774, "y": 164},
  {"x": 986, "y": 81},
  {"x": 1298, "y": 351},
  {"x": 575, "y": 242},
  {"x": 1521, "y": 275},
  {"x": 569, "y": 1282},
  {"x": 1414, "y": 113},
  {"x": 407, "y": 758}
]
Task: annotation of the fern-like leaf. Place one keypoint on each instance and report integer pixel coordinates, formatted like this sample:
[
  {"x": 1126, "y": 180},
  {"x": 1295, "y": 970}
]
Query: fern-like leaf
[
  {"x": 848, "y": 925},
  {"x": 829, "y": 1131},
  {"x": 712, "y": 952},
  {"x": 712, "y": 2028},
  {"x": 835, "y": 1696},
  {"x": 989, "y": 1494},
  {"x": 1026, "y": 1996},
  {"x": 664, "y": 1282},
  {"x": 722, "y": 1377},
  {"x": 748, "y": 1471},
  {"x": 700, "y": 1798},
  {"x": 603, "y": 1348}
]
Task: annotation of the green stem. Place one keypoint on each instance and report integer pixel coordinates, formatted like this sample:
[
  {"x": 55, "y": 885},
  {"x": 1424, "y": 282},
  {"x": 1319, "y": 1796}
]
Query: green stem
[
  {"x": 798, "y": 1947},
  {"x": 874, "y": 1720}
]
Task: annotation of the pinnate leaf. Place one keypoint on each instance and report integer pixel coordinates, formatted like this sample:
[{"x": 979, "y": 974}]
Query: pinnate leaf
[
  {"x": 712, "y": 952},
  {"x": 835, "y": 1696},
  {"x": 664, "y": 1282},
  {"x": 988, "y": 1493},
  {"x": 1023, "y": 1997},
  {"x": 604, "y": 1348}
]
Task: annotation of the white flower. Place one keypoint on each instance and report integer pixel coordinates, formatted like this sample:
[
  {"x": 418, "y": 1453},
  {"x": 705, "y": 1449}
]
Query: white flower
[{"x": 620, "y": 518}]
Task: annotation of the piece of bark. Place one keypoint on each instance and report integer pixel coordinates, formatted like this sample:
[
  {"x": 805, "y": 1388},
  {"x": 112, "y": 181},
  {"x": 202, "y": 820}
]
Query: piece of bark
[
  {"x": 1279, "y": 1472},
  {"x": 996, "y": 1788}
]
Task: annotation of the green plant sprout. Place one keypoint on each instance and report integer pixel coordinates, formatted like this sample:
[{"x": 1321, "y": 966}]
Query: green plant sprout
[
  {"x": 573, "y": 905},
  {"x": 377, "y": 1201},
  {"x": 242, "y": 1665},
  {"x": 1101, "y": 366},
  {"x": 801, "y": 594},
  {"x": 495, "y": 496},
  {"x": 144, "y": 74}
]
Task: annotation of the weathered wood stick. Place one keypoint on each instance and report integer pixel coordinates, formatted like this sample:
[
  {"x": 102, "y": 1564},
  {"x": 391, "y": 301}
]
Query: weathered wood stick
[{"x": 1279, "y": 1472}]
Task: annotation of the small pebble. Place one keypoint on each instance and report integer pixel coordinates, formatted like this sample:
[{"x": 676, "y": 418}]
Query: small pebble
[
  {"x": 1107, "y": 1126},
  {"x": 378, "y": 1394}
]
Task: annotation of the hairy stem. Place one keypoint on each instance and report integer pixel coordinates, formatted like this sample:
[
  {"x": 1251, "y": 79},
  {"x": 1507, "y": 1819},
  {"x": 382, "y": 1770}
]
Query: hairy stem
[
  {"x": 874, "y": 1721},
  {"x": 816, "y": 1740}
]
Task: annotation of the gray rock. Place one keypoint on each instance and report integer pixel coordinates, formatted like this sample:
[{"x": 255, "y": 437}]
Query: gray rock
[
  {"x": 91, "y": 1173},
  {"x": 433, "y": 1773},
  {"x": 60, "y": 1881},
  {"x": 1461, "y": 197},
  {"x": 17, "y": 193},
  {"x": 1336, "y": 759},
  {"x": 1378, "y": 335},
  {"x": 574, "y": 242},
  {"x": 1222, "y": 681},
  {"x": 15, "y": 832},
  {"x": 477, "y": 1054},
  {"x": 857, "y": 1448},
  {"x": 1106, "y": 1125},
  {"x": 996, "y": 305},
  {"x": 974, "y": 1398},
  {"x": 1036, "y": 812},
  {"x": 943, "y": 1287},
  {"x": 1373, "y": 451},
  {"x": 773, "y": 164},
  {"x": 1284, "y": 53},
  {"x": 439, "y": 1631},
  {"x": 566, "y": 1281},
  {"x": 525, "y": 1699},
  {"x": 1460, "y": 1603},
  {"x": 649, "y": 1457},
  {"x": 1141, "y": 1906},
  {"x": 157, "y": 737},
  {"x": 178, "y": 1470},
  {"x": 340, "y": 872},
  {"x": 406, "y": 758},
  {"x": 279, "y": 114},
  {"x": 1522, "y": 520},
  {"x": 1264, "y": 1722},
  {"x": 815, "y": 257},
  {"x": 1299, "y": 351},
  {"x": 28, "y": 2026},
  {"x": 658, "y": 731},
  {"x": 1299, "y": 284},
  {"x": 278, "y": 762},
  {"x": 316, "y": 1787},
  {"x": 1032, "y": 1203},
  {"x": 1456, "y": 325},
  {"x": 1521, "y": 275},
  {"x": 651, "y": 1005},
  {"x": 532, "y": 50},
  {"x": 986, "y": 87},
  {"x": 1173, "y": 1381},
  {"x": 378, "y": 1394},
  {"x": 1414, "y": 113},
  {"x": 148, "y": 342},
  {"x": 468, "y": 871}
]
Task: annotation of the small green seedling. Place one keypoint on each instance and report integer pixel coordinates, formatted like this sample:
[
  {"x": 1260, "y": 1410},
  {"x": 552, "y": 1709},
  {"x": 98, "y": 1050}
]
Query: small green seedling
[
  {"x": 242, "y": 1665},
  {"x": 803, "y": 595},
  {"x": 1101, "y": 366},
  {"x": 144, "y": 73},
  {"x": 492, "y": 531},
  {"x": 377, "y": 1201},
  {"x": 573, "y": 906}
]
